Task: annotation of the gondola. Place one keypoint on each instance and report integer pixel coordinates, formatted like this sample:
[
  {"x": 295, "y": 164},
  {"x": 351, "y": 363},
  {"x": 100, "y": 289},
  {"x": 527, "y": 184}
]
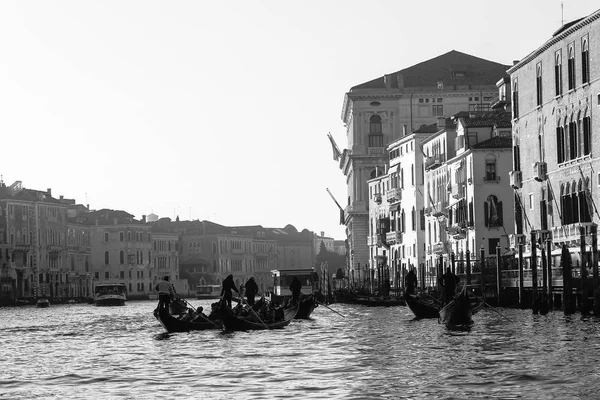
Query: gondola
[
  {"x": 459, "y": 312},
  {"x": 231, "y": 322},
  {"x": 178, "y": 306},
  {"x": 306, "y": 307},
  {"x": 173, "y": 324},
  {"x": 379, "y": 301},
  {"x": 421, "y": 307}
]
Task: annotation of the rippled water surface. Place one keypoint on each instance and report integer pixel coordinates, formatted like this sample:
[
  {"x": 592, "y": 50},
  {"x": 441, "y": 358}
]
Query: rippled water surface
[{"x": 86, "y": 352}]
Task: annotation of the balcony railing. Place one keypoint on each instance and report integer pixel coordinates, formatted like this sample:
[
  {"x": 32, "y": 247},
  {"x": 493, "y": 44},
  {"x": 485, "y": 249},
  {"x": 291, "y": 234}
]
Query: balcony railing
[
  {"x": 570, "y": 235},
  {"x": 433, "y": 162},
  {"x": 394, "y": 195},
  {"x": 375, "y": 150},
  {"x": 439, "y": 248},
  {"x": 393, "y": 237},
  {"x": 457, "y": 191}
]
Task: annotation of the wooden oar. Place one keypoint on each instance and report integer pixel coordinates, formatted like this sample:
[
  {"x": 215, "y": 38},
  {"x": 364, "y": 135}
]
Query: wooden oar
[
  {"x": 318, "y": 302},
  {"x": 494, "y": 309},
  {"x": 200, "y": 314},
  {"x": 254, "y": 312}
]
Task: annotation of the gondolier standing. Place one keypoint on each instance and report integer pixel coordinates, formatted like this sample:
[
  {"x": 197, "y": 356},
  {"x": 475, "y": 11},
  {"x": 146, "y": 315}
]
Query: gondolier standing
[
  {"x": 410, "y": 281},
  {"x": 165, "y": 291},
  {"x": 449, "y": 281},
  {"x": 251, "y": 290},
  {"x": 295, "y": 288},
  {"x": 228, "y": 286}
]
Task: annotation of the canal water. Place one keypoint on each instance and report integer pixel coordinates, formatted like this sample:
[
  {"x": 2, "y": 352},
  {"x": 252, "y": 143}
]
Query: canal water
[{"x": 85, "y": 352}]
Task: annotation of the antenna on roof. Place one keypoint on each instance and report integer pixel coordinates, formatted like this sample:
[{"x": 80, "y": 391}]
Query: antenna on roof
[{"x": 562, "y": 14}]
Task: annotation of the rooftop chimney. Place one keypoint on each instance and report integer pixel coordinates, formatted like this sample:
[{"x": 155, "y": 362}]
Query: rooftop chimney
[
  {"x": 441, "y": 122},
  {"x": 387, "y": 79},
  {"x": 61, "y": 197},
  {"x": 400, "y": 78},
  {"x": 515, "y": 62},
  {"x": 322, "y": 234},
  {"x": 143, "y": 219},
  {"x": 49, "y": 191}
]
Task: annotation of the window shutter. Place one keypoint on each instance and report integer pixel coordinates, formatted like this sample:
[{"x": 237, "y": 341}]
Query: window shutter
[
  {"x": 485, "y": 213},
  {"x": 500, "y": 215}
]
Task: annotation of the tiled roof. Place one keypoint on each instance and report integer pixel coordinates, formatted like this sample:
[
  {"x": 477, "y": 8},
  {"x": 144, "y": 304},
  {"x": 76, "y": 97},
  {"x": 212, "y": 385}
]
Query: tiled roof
[
  {"x": 496, "y": 142},
  {"x": 498, "y": 118},
  {"x": 443, "y": 68}
]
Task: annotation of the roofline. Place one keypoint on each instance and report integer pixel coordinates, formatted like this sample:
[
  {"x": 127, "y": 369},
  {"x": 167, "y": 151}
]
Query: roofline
[{"x": 586, "y": 21}]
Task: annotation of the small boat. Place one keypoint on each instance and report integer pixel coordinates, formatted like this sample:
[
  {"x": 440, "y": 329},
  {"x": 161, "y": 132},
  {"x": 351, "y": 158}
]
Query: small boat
[
  {"x": 306, "y": 307},
  {"x": 422, "y": 307},
  {"x": 110, "y": 294},
  {"x": 372, "y": 301},
  {"x": 42, "y": 303},
  {"x": 174, "y": 324},
  {"x": 208, "y": 292},
  {"x": 459, "y": 312},
  {"x": 252, "y": 321}
]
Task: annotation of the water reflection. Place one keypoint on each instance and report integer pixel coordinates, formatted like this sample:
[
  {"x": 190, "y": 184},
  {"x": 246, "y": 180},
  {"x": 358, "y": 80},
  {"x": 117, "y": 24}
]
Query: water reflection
[{"x": 82, "y": 351}]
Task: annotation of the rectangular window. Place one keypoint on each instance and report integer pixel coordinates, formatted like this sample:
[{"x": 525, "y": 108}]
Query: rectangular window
[
  {"x": 105, "y": 237},
  {"x": 122, "y": 274},
  {"x": 531, "y": 201},
  {"x": 375, "y": 140},
  {"x": 96, "y": 275},
  {"x": 515, "y": 99},
  {"x": 106, "y": 274},
  {"x": 122, "y": 236},
  {"x": 438, "y": 110}
]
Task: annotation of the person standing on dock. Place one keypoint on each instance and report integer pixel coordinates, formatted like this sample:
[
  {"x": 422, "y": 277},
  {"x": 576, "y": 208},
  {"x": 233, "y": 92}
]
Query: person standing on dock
[
  {"x": 251, "y": 290},
  {"x": 296, "y": 289},
  {"x": 228, "y": 286},
  {"x": 449, "y": 281},
  {"x": 165, "y": 291}
]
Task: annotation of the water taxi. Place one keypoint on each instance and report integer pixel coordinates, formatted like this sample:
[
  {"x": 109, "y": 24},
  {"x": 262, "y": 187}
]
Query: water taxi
[
  {"x": 208, "y": 292},
  {"x": 110, "y": 294},
  {"x": 42, "y": 303}
]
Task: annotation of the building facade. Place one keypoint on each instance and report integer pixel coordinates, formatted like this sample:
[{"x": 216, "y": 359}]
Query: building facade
[
  {"x": 556, "y": 168},
  {"x": 380, "y": 111}
]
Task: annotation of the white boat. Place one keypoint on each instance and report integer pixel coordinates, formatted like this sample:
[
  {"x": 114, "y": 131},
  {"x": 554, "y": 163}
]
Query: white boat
[
  {"x": 110, "y": 294},
  {"x": 42, "y": 303},
  {"x": 208, "y": 292}
]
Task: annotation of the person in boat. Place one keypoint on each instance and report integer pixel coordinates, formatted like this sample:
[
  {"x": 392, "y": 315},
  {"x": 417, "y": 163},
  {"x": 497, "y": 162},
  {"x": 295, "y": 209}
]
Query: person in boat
[
  {"x": 296, "y": 289},
  {"x": 228, "y": 286},
  {"x": 251, "y": 290},
  {"x": 165, "y": 291},
  {"x": 410, "y": 281},
  {"x": 449, "y": 281}
]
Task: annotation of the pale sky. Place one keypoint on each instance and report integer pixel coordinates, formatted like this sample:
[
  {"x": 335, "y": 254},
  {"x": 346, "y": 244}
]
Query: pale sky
[{"x": 220, "y": 110}]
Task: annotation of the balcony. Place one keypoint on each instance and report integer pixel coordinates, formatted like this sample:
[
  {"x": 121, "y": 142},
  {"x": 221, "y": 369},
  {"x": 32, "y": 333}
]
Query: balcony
[
  {"x": 439, "y": 209},
  {"x": 439, "y": 248},
  {"x": 428, "y": 249},
  {"x": 457, "y": 191},
  {"x": 456, "y": 232},
  {"x": 516, "y": 179},
  {"x": 377, "y": 198},
  {"x": 540, "y": 169},
  {"x": 569, "y": 234},
  {"x": 20, "y": 247},
  {"x": 394, "y": 195},
  {"x": 433, "y": 162},
  {"x": 376, "y": 150},
  {"x": 54, "y": 248},
  {"x": 393, "y": 237}
]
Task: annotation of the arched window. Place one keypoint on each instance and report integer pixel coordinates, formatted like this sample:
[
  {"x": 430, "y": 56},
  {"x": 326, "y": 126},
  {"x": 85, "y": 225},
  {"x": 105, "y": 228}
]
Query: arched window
[
  {"x": 585, "y": 62},
  {"x": 106, "y": 258},
  {"x": 413, "y": 217},
  {"x": 122, "y": 257},
  {"x": 492, "y": 209},
  {"x": 558, "y": 74},
  {"x": 571, "y": 68}
]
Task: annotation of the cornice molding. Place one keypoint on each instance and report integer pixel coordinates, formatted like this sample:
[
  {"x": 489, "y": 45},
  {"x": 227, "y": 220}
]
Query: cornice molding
[{"x": 594, "y": 16}]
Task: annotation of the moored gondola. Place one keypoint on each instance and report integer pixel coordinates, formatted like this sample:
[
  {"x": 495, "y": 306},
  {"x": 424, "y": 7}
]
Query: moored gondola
[
  {"x": 459, "y": 312},
  {"x": 174, "y": 324},
  {"x": 250, "y": 320},
  {"x": 422, "y": 307}
]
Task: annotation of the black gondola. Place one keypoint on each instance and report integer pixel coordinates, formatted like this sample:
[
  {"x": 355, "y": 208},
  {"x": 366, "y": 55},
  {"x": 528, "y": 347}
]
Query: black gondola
[
  {"x": 459, "y": 312},
  {"x": 422, "y": 307},
  {"x": 232, "y": 322},
  {"x": 178, "y": 306},
  {"x": 173, "y": 324},
  {"x": 306, "y": 307}
]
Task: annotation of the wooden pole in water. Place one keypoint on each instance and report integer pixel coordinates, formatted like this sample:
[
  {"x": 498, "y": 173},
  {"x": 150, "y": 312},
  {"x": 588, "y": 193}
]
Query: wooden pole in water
[
  {"x": 550, "y": 262},
  {"x": 468, "y": 266},
  {"x": 594, "y": 235},
  {"x": 583, "y": 265},
  {"x": 567, "y": 275},
  {"x": 534, "y": 275},
  {"x": 544, "y": 261},
  {"x": 453, "y": 262},
  {"x": 482, "y": 265},
  {"x": 521, "y": 280},
  {"x": 498, "y": 273}
]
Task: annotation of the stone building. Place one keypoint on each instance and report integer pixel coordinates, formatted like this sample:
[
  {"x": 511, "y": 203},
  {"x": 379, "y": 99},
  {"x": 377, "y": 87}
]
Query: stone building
[
  {"x": 387, "y": 108},
  {"x": 556, "y": 173}
]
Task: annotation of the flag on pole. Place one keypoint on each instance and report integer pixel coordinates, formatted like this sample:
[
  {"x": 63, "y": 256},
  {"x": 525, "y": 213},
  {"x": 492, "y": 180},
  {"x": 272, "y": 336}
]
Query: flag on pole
[{"x": 336, "y": 150}]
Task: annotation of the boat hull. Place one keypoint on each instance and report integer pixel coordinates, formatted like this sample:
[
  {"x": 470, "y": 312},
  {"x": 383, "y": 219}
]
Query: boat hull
[
  {"x": 172, "y": 324},
  {"x": 458, "y": 312},
  {"x": 306, "y": 307},
  {"x": 422, "y": 308},
  {"x": 42, "y": 304},
  {"x": 110, "y": 301},
  {"x": 232, "y": 322}
]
